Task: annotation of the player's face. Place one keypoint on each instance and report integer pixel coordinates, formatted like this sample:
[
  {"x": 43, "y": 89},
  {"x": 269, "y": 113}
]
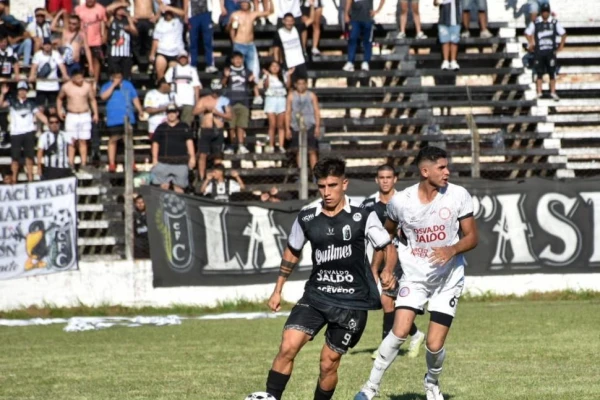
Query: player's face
[
  {"x": 332, "y": 190},
  {"x": 436, "y": 172},
  {"x": 386, "y": 181}
]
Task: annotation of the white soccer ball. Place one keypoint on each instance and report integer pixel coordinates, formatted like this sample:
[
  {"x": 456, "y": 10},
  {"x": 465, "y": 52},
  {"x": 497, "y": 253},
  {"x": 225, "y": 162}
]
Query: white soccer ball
[
  {"x": 260, "y": 396},
  {"x": 62, "y": 218}
]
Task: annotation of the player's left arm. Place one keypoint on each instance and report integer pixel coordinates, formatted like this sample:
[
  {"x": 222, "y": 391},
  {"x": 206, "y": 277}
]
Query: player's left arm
[{"x": 384, "y": 250}]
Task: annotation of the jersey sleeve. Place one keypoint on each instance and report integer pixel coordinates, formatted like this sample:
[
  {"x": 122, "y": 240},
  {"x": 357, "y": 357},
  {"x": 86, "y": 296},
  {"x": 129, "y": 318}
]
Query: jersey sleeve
[
  {"x": 297, "y": 238},
  {"x": 465, "y": 207},
  {"x": 393, "y": 209},
  {"x": 530, "y": 29},
  {"x": 376, "y": 233},
  {"x": 560, "y": 30}
]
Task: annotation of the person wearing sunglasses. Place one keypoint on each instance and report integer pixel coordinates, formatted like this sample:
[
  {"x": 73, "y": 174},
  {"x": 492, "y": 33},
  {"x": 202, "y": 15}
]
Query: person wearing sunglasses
[{"x": 53, "y": 152}]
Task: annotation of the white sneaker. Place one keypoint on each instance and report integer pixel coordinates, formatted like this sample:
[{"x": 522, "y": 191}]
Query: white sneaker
[
  {"x": 554, "y": 97},
  {"x": 281, "y": 150},
  {"x": 211, "y": 69},
  {"x": 401, "y": 35},
  {"x": 446, "y": 65},
  {"x": 421, "y": 35},
  {"x": 364, "y": 66},
  {"x": 486, "y": 34},
  {"x": 258, "y": 101},
  {"x": 315, "y": 51},
  {"x": 228, "y": 150},
  {"x": 242, "y": 149},
  {"x": 368, "y": 392},
  {"x": 269, "y": 149},
  {"x": 348, "y": 67},
  {"x": 454, "y": 66},
  {"x": 415, "y": 344},
  {"x": 432, "y": 390},
  {"x": 465, "y": 35}
]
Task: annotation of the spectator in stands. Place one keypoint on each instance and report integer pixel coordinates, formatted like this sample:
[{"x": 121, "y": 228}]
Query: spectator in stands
[
  {"x": 93, "y": 20},
  {"x": 167, "y": 40},
  {"x": 276, "y": 89},
  {"x": 220, "y": 188},
  {"x": 541, "y": 35},
  {"x": 53, "y": 152},
  {"x": 39, "y": 29},
  {"x": 275, "y": 196},
  {"x": 201, "y": 23},
  {"x": 9, "y": 70},
  {"x": 72, "y": 43},
  {"x": 238, "y": 79},
  {"x": 414, "y": 5},
  {"x": 186, "y": 86},
  {"x": 23, "y": 113},
  {"x": 303, "y": 112},
  {"x": 214, "y": 110},
  {"x": 172, "y": 152},
  {"x": 467, "y": 6},
  {"x": 155, "y": 105},
  {"x": 284, "y": 7},
  {"x": 44, "y": 73},
  {"x": 360, "y": 14},
  {"x": 449, "y": 32},
  {"x": 18, "y": 38},
  {"x": 81, "y": 97},
  {"x": 121, "y": 98},
  {"x": 288, "y": 47},
  {"x": 312, "y": 14},
  {"x": 141, "y": 245},
  {"x": 7, "y": 179},
  {"x": 241, "y": 31},
  {"x": 534, "y": 8},
  {"x": 121, "y": 30},
  {"x": 143, "y": 13}
]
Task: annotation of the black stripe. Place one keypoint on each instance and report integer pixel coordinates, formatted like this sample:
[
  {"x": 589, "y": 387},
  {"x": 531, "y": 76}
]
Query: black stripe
[{"x": 465, "y": 216}]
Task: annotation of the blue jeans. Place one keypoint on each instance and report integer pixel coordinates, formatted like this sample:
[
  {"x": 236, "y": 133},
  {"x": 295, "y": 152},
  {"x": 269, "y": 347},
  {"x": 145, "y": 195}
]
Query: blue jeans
[
  {"x": 358, "y": 29},
  {"x": 201, "y": 22},
  {"x": 24, "y": 49},
  {"x": 250, "y": 57},
  {"x": 449, "y": 34}
]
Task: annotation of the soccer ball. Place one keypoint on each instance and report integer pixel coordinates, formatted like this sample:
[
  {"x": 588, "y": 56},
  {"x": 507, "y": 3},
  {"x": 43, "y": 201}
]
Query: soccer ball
[
  {"x": 62, "y": 219},
  {"x": 260, "y": 396},
  {"x": 172, "y": 204}
]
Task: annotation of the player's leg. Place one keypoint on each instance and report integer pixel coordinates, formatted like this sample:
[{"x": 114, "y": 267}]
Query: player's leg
[
  {"x": 389, "y": 310},
  {"x": 328, "y": 377}
]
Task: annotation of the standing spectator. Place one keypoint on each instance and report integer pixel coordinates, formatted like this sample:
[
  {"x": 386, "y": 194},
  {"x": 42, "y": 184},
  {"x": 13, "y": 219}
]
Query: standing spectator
[
  {"x": 155, "y": 105},
  {"x": 414, "y": 6},
  {"x": 360, "y": 14},
  {"x": 121, "y": 28},
  {"x": 200, "y": 16},
  {"x": 303, "y": 112},
  {"x": 167, "y": 40},
  {"x": 53, "y": 152},
  {"x": 39, "y": 29},
  {"x": 72, "y": 43},
  {"x": 23, "y": 113},
  {"x": 483, "y": 19},
  {"x": 172, "y": 152},
  {"x": 312, "y": 13},
  {"x": 218, "y": 187},
  {"x": 185, "y": 83},
  {"x": 276, "y": 88},
  {"x": 213, "y": 109},
  {"x": 141, "y": 245},
  {"x": 44, "y": 73},
  {"x": 9, "y": 69},
  {"x": 228, "y": 7},
  {"x": 143, "y": 13},
  {"x": 284, "y": 7},
  {"x": 288, "y": 47},
  {"x": 534, "y": 8},
  {"x": 81, "y": 97},
  {"x": 238, "y": 79},
  {"x": 18, "y": 38},
  {"x": 541, "y": 35},
  {"x": 449, "y": 31},
  {"x": 93, "y": 18},
  {"x": 121, "y": 98}
]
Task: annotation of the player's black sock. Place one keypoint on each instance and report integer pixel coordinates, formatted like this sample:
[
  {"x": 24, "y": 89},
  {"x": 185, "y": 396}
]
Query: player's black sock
[
  {"x": 321, "y": 394},
  {"x": 413, "y": 329},
  {"x": 388, "y": 323},
  {"x": 276, "y": 383}
]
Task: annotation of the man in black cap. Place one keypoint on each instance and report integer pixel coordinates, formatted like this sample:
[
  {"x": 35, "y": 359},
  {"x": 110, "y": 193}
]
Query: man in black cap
[{"x": 541, "y": 35}]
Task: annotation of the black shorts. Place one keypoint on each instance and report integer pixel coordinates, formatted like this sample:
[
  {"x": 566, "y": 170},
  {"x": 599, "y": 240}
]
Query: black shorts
[
  {"x": 168, "y": 58},
  {"x": 311, "y": 140},
  {"x": 117, "y": 130},
  {"x": 300, "y": 71},
  {"x": 97, "y": 53},
  {"x": 44, "y": 99},
  {"x": 211, "y": 141},
  {"x": 25, "y": 142},
  {"x": 298, "y": 23},
  {"x": 545, "y": 63},
  {"x": 344, "y": 327},
  {"x": 306, "y": 10},
  {"x": 122, "y": 64}
]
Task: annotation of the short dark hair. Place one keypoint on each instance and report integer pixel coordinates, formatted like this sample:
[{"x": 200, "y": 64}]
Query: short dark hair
[
  {"x": 236, "y": 54},
  {"x": 329, "y": 166},
  {"x": 75, "y": 16},
  {"x": 430, "y": 153},
  {"x": 386, "y": 167},
  {"x": 39, "y": 9},
  {"x": 76, "y": 71},
  {"x": 3, "y": 37},
  {"x": 288, "y": 15},
  {"x": 139, "y": 196},
  {"x": 220, "y": 167}
]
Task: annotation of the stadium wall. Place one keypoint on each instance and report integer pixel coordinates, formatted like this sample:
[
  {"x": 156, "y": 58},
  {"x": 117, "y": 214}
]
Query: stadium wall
[{"x": 130, "y": 284}]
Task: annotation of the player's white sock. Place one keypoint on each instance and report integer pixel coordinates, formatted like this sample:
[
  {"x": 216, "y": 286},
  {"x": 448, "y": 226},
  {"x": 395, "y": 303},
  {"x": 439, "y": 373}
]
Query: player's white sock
[
  {"x": 434, "y": 364},
  {"x": 387, "y": 352}
]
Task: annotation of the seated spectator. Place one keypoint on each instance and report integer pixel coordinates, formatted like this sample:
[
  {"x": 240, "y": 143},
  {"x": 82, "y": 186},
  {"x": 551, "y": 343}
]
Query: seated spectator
[
  {"x": 218, "y": 187},
  {"x": 141, "y": 245},
  {"x": 414, "y": 5},
  {"x": 121, "y": 98},
  {"x": 284, "y": 7},
  {"x": 172, "y": 152},
  {"x": 93, "y": 20},
  {"x": 18, "y": 38},
  {"x": 44, "y": 73},
  {"x": 53, "y": 152},
  {"x": 467, "y": 6},
  {"x": 360, "y": 14},
  {"x": 303, "y": 112},
  {"x": 121, "y": 30},
  {"x": 276, "y": 89},
  {"x": 155, "y": 105},
  {"x": 534, "y": 8},
  {"x": 23, "y": 113},
  {"x": 449, "y": 32},
  {"x": 288, "y": 47},
  {"x": 312, "y": 11},
  {"x": 275, "y": 196},
  {"x": 39, "y": 29},
  {"x": 72, "y": 44},
  {"x": 167, "y": 41},
  {"x": 185, "y": 85}
]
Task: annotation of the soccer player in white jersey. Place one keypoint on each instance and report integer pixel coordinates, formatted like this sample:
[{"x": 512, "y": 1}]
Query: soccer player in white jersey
[{"x": 437, "y": 224}]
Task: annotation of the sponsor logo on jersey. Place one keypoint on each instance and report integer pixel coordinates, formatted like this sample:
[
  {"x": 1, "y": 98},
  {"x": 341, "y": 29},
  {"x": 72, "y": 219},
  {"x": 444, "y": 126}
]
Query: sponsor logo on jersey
[
  {"x": 334, "y": 276},
  {"x": 333, "y": 253},
  {"x": 404, "y": 291},
  {"x": 330, "y": 232},
  {"x": 308, "y": 217},
  {"x": 431, "y": 234},
  {"x": 357, "y": 217},
  {"x": 445, "y": 213},
  {"x": 347, "y": 233},
  {"x": 335, "y": 289}
]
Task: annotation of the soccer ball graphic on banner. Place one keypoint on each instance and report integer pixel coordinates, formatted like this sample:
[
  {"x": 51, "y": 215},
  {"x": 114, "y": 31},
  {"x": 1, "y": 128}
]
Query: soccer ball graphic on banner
[{"x": 260, "y": 396}]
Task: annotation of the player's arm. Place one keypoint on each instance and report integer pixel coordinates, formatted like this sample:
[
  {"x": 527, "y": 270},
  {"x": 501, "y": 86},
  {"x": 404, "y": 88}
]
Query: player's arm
[
  {"x": 384, "y": 250},
  {"x": 469, "y": 240}
]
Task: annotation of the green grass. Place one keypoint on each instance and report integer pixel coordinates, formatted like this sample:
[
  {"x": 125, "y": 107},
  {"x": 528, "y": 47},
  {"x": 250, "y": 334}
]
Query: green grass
[{"x": 496, "y": 351}]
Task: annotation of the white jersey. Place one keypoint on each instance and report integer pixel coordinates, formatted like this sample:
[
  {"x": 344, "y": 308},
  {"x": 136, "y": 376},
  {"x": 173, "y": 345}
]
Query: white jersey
[{"x": 426, "y": 226}]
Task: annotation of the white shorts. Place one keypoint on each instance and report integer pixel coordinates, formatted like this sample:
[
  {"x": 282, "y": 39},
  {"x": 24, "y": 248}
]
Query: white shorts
[
  {"x": 78, "y": 126},
  {"x": 442, "y": 298}
]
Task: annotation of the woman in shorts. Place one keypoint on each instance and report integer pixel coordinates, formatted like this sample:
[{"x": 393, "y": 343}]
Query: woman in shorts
[{"x": 276, "y": 87}]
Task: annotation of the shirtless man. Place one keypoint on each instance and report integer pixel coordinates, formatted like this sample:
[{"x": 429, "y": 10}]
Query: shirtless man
[
  {"x": 72, "y": 42},
  {"x": 213, "y": 110},
  {"x": 80, "y": 96},
  {"x": 142, "y": 43}
]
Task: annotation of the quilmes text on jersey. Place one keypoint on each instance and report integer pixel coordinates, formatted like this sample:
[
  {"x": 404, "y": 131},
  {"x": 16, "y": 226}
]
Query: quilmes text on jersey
[{"x": 332, "y": 253}]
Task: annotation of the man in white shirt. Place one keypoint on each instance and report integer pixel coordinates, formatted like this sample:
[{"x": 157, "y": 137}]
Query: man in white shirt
[
  {"x": 155, "y": 104},
  {"x": 284, "y": 7},
  {"x": 288, "y": 46},
  {"x": 184, "y": 81},
  {"x": 167, "y": 39},
  {"x": 220, "y": 188},
  {"x": 53, "y": 152},
  {"x": 44, "y": 73}
]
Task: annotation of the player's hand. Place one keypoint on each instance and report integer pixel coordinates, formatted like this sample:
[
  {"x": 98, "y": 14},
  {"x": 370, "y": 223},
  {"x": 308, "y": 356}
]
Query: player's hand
[
  {"x": 5, "y": 88},
  {"x": 235, "y": 174},
  {"x": 227, "y": 72},
  {"x": 441, "y": 255},
  {"x": 275, "y": 302},
  {"x": 209, "y": 176},
  {"x": 388, "y": 282}
]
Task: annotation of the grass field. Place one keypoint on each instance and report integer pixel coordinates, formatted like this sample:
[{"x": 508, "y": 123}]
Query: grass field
[{"x": 506, "y": 350}]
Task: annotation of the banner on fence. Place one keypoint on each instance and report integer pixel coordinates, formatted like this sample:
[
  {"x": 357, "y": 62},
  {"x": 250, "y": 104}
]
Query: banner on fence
[
  {"x": 535, "y": 225},
  {"x": 38, "y": 228}
]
